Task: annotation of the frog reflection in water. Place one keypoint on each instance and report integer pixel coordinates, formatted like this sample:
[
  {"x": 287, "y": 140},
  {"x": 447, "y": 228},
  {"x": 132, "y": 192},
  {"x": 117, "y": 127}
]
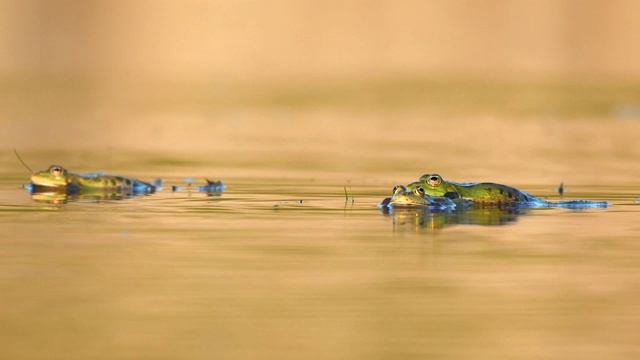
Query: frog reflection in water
[
  {"x": 493, "y": 195},
  {"x": 425, "y": 218}
]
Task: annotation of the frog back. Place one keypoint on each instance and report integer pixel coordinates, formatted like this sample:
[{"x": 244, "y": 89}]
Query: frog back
[
  {"x": 482, "y": 194},
  {"x": 109, "y": 183},
  {"x": 491, "y": 193}
]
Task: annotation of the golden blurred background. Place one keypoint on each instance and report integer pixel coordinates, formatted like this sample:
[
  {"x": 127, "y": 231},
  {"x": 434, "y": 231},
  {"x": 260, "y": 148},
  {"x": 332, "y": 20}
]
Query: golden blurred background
[
  {"x": 289, "y": 100},
  {"x": 285, "y": 40},
  {"x": 316, "y": 78}
]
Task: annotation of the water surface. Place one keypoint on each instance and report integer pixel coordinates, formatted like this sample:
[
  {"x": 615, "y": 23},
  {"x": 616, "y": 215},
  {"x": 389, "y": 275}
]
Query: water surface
[
  {"x": 287, "y": 268},
  {"x": 281, "y": 265}
]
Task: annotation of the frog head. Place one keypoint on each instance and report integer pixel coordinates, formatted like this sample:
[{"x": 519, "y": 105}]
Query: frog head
[
  {"x": 414, "y": 196},
  {"x": 434, "y": 185},
  {"x": 55, "y": 176}
]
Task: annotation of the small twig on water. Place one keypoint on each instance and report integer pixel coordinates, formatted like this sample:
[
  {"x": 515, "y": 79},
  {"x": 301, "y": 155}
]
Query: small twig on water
[
  {"x": 19, "y": 158},
  {"x": 346, "y": 196}
]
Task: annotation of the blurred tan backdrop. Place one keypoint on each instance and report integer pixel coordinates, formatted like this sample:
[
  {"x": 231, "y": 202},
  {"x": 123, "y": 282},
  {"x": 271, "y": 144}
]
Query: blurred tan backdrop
[
  {"x": 289, "y": 38},
  {"x": 329, "y": 85}
]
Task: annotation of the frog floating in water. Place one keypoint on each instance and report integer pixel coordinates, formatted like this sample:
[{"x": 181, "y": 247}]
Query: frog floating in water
[
  {"x": 58, "y": 179},
  {"x": 57, "y": 185},
  {"x": 493, "y": 195},
  {"x": 435, "y": 212}
]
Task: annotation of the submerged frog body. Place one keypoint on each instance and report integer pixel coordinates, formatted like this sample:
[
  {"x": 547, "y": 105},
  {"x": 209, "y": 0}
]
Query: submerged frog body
[
  {"x": 212, "y": 187},
  {"x": 493, "y": 195},
  {"x": 58, "y": 179}
]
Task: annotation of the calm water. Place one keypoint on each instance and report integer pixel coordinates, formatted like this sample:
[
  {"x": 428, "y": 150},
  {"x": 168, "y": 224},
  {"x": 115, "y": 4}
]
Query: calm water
[
  {"x": 284, "y": 268},
  {"x": 280, "y": 266}
]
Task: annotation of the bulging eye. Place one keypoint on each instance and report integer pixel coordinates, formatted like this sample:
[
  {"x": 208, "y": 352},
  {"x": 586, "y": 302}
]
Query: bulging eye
[
  {"x": 398, "y": 189},
  {"x": 434, "y": 180},
  {"x": 418, "y": 190},
  {"x": 56, "y": 171}
]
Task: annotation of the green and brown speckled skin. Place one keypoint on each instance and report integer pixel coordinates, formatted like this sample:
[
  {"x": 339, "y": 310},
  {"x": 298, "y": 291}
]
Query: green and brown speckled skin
[
  {"x": 489, "y": 195},
  {"x": 479, "y": 193},
  {"x": 57, "y": 177}
]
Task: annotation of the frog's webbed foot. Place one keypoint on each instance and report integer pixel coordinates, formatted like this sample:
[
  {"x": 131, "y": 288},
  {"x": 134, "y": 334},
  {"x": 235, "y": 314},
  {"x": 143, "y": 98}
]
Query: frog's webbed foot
[
  {"x": 212, "y": 187},
  {"x": 462, "y": 204},
  {"x": 385, "y": 203},
  {"x": 451, "y": 195}
]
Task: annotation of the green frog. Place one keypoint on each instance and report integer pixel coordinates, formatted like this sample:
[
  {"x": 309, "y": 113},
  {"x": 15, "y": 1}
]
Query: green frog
[
  {"x": 416, "y": 197},
  {"x": 493, "y": 195},
  {"x": 58, "y": 179}
]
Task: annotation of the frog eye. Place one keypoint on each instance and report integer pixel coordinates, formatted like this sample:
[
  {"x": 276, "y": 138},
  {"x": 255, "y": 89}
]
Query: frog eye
[
  {"x": 418, "y": 190},
  {"x": 56, "y": 171},
  {"x": 398, "y": 189},
  {"x": 434, "y": 180}
]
